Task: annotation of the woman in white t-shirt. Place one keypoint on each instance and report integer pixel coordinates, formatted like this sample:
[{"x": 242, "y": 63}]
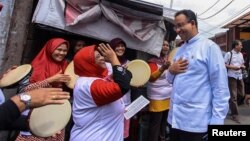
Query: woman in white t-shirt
[
  {"x": 98, "y": 111},
  {"x": 159, "y": 91}
]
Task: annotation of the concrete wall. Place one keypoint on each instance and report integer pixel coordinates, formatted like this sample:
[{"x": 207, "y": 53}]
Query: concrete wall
[
  {"x": 5, "y": 16},
  {"x": 17, "y": 33}
]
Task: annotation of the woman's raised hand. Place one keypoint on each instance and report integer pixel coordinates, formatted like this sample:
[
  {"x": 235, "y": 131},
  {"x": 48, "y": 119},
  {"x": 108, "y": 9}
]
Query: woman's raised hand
[
  {"x": 108, "y": 54},
  {"x": 59, "y": 77}
]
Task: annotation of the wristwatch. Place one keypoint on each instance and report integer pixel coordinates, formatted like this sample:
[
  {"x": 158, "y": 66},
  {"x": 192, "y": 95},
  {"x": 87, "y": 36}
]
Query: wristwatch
[
  {"x": 26, "y": 99},
  {"x": 119, "y": 68}
]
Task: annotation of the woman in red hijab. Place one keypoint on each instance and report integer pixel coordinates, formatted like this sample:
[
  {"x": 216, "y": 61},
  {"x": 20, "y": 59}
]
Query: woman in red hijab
[
  {"x": 48, "y": 67},
  {"x": 50, "y": 60},
  {"x": 98, "y": 110}
]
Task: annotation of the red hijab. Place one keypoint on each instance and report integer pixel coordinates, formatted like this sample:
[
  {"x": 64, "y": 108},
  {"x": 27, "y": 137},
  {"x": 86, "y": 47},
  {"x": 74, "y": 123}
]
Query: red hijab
[
  {"x": 84, "y": 63},
  {"x": 44, "y": 66}
]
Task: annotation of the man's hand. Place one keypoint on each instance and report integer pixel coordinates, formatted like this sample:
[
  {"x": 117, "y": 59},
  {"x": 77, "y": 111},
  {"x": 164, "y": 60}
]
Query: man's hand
[
  {"x": 242, "y": 67},
  {"x": 235, "y": 68},
  {"x": 44, "y": 96},
  {"x": 179, "y": 66},
  {"x": 41, "y": 97}
]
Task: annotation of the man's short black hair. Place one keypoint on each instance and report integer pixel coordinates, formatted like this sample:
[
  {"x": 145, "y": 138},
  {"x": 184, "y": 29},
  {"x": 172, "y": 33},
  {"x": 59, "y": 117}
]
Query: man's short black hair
[
  {"x": 235, "y": 43},
  {"x": 189, "y": 14}
]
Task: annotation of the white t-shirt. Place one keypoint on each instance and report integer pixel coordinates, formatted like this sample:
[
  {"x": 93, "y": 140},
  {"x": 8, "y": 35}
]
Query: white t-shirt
[
  {"x": 93, "y": 122},
  {"x": 236, "y": 60}
]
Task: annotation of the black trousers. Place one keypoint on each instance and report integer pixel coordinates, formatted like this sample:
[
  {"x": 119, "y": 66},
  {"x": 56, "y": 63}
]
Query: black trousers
[
  {"x": 157, "y": 126},
  {"x": 236, "y": 88},
  {"x": 180, "y": 135}
]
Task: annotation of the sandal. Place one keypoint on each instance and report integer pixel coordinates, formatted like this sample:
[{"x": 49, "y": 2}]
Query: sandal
[
  {"x": 246, "y": 101},
  {"x": 236, "y": 119}
]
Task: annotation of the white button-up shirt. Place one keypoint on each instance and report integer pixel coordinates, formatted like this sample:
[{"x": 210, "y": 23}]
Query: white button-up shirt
[
  {"x": 200, "y": 95},
  {"x": 237, "y": 60}
]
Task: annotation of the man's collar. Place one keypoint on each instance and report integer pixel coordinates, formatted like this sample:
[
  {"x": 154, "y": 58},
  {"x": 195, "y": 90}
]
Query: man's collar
[
  {"x": 235, "y": 51},
  {"x": 193, "y": 39}
]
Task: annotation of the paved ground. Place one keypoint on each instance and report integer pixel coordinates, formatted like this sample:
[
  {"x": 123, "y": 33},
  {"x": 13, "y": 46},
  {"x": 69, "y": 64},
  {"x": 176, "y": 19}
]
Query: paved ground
[{"x": 244, "y": 112}]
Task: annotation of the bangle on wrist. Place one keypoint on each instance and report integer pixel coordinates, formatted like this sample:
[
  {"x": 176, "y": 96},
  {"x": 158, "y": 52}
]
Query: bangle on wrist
[{"x": 161, "y": 70}]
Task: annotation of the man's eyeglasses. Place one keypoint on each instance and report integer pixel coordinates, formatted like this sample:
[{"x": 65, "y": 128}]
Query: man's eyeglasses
[{"x": 180, "y": 25}]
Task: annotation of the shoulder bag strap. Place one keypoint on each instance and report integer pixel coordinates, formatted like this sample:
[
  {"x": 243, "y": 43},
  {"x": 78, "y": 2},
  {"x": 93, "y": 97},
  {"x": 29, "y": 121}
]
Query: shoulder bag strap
[{"x": 230, "y": 58}]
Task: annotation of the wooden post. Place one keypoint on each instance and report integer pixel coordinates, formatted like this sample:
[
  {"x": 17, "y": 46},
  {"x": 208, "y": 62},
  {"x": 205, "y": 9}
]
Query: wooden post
[
  {"x": 17, "y": 36},
  {"x": 16, "y": 41}
]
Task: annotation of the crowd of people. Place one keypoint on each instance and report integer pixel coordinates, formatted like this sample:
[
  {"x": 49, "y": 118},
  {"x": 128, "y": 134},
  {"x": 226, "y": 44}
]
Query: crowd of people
[{"x": 198, "y": 83}]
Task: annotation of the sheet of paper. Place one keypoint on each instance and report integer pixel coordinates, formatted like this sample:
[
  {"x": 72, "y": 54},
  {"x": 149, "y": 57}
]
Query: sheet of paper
[{"x": 135, "y": 107}]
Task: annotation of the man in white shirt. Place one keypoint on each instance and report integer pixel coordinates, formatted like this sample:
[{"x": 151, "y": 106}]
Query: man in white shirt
[
  {"x": 200, "y": 88},
  {"x": 235, "y": 63}
]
